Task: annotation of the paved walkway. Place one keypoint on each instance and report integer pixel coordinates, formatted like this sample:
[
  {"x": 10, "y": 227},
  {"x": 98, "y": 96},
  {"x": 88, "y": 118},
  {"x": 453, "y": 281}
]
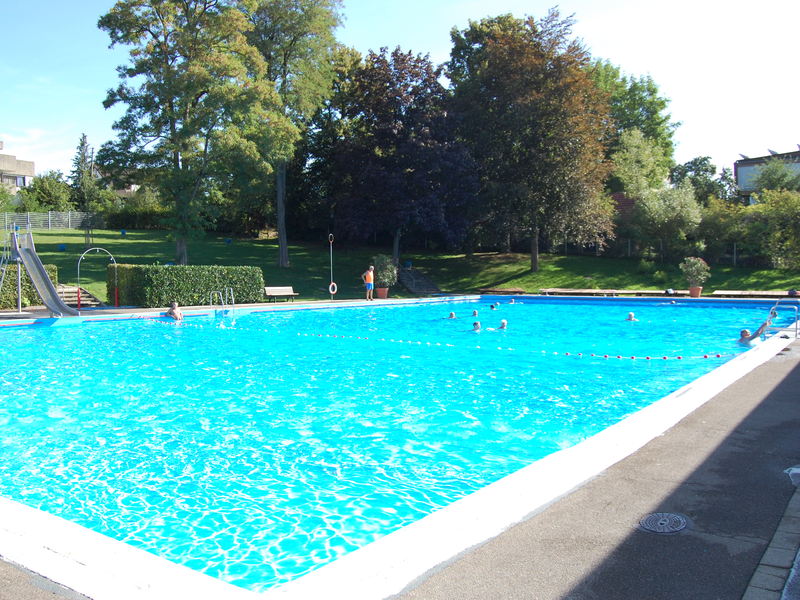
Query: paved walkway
[{"x": 722, "y": 467}]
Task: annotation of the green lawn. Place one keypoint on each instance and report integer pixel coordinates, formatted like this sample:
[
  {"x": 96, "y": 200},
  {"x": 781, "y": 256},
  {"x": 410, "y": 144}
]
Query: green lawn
[{"x": 310, "y": 265}]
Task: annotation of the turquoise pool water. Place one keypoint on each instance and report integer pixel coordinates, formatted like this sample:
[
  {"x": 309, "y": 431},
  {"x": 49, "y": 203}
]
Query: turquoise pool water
[{"x": 257, "y": 447}]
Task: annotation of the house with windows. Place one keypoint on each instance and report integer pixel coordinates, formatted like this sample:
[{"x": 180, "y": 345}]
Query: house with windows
[
  {"x": 15, "y": 174},
  {"x": 745, "y": 170}
]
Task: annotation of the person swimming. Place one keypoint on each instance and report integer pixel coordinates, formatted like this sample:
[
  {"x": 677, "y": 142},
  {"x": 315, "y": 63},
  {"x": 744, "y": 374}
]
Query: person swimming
[
  {"x": 631, "y": 317},
  {"x": 746, "y": 338},
  {"x": 474, "y": 313},
  {"x": 476, "y": 326},
  {"x": 503, "y": 324},
  {"x": 452, "y": 316}
]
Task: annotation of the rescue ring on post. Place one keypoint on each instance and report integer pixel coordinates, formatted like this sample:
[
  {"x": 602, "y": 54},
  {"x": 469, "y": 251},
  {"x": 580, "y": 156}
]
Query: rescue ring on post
[{"x": 332, "y": 288}]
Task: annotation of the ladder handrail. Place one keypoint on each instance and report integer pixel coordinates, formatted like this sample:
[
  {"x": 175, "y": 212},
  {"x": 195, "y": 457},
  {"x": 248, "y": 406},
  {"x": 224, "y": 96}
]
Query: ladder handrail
[{"x": 211, "y": 298}]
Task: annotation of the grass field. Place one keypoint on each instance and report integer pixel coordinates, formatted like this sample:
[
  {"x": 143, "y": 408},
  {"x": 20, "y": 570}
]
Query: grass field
[{"x": 309, "y": 272}]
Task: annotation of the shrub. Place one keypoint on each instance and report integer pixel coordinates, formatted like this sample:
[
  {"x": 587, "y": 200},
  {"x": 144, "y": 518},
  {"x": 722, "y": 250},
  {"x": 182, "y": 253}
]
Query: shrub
[
  {"x": 660, "y": 277},
  {"x": 385, "y": 271},
  {"x": 8, "y": 295},
  {"x": 152, "y": 286},
  {"x": 646, "y": 267},
  {"x": 695, "y": 270}
]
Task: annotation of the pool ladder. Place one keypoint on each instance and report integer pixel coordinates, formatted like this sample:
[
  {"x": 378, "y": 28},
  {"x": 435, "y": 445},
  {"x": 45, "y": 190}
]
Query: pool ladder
[{"x": 223, "y": 300}]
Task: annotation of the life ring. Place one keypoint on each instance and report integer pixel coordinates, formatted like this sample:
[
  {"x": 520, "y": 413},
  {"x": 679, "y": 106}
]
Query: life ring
[{"x": 332, "y": 288}]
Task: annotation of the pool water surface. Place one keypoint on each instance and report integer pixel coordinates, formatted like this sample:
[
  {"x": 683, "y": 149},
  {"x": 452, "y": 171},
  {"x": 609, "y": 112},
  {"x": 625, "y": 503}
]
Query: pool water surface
[{"x": 259, "y": 446}]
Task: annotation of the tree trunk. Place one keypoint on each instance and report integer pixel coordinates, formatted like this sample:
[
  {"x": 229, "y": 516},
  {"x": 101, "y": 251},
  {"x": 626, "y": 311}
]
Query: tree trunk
[
  {"x": 180, "y": 252},
  {"x": 396, "y": 247},
  {"x": 535, "y": 246},
  {"x": 283, "y": 244}
]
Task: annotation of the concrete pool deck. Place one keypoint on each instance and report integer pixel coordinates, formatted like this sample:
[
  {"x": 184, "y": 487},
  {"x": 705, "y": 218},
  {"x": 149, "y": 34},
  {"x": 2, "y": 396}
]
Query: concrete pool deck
[{"x": 721, "y": 466}]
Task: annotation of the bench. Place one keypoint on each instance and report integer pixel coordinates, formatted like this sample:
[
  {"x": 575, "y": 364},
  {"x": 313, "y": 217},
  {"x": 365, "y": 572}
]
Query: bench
[
  {"x": 273, "y": 293},
  {"x": 751, "y": 294},
  {"x": 500, "y": 291},
  {"x": 594, "y": 292},
  {"x": 657, "y": 293}
]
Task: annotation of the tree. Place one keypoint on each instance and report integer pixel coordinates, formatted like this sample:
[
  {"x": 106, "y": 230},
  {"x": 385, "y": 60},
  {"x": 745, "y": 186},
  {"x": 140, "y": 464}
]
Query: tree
[
  {"x": 780, "y": 212},
  {"x": 296, "y": 40},
  {"x": 638, "y": 164},
  {"x": 402, "y": 168},
  {"x": 192, "y": 76},
  {"x": 670, "y": 215},
  {"x": 88, "y": 193},
  {"x": 701, "y": 174},
  {"x": 636, "y": 104},
  {"x": 775, "y": 174},
  {"x": 721, "y": 224},
  {"x": 48, "y": 191},
  {"x": 535, "y": 121}
]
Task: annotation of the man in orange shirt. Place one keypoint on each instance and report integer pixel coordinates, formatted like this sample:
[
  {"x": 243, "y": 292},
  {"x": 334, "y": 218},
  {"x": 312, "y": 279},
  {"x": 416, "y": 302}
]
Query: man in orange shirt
[{"x": 369, "y": 281}]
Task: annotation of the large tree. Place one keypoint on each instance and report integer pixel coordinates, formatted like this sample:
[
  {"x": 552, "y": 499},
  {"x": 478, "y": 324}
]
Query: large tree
[
  {"x": 48, "y": 191},
  {"x": 636, "y": 103},
  {"x": 296, "y": 40},
  {"x": 192, "y": 75},
  {"x": 536, "y": 122},
  {"x": 401, "y": 168}
]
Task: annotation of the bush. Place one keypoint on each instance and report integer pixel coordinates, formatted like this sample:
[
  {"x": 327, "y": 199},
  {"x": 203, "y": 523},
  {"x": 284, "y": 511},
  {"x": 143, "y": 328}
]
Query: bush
[
  {"x": 660, "y": 277},
  {"x": 385, "y": 271},
  {"x": 695, "y": 270},
  {"x": 151, "y": 286},
  {"x": 8, "y": 295},
  {"x": 646, "y": 267}
]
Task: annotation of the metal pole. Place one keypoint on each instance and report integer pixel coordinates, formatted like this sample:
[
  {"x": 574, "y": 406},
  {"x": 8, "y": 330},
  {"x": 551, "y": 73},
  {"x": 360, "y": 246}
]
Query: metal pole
[
  {"x": 330, "y": 239},
  {"x": 19, "y": 286}
]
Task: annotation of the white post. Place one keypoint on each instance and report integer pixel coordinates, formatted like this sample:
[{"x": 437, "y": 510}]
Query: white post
[
  {"x": 49, "y": 212},
  {"x": 19, "y": 286},
  {"x": 69, "y": 219}
]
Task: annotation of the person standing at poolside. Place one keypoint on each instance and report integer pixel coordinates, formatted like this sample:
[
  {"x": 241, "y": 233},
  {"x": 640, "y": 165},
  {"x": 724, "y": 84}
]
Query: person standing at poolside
[
  {"x": 174, "y": 312},
  {"x": 368, "y": 277}
]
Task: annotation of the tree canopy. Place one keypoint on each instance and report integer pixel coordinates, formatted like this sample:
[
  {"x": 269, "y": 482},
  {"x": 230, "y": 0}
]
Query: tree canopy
[
  {"x": 191, "y": 76},
  {"x": 535, "y": 121}
]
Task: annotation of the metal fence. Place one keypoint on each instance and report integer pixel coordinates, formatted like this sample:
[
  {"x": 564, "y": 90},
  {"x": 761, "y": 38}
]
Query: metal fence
[{"x": 53, "y": 220}]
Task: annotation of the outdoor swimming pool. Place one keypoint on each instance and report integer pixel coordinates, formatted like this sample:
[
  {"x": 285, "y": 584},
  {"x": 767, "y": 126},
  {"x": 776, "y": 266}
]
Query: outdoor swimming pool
[{"x": 260, "y": 446}]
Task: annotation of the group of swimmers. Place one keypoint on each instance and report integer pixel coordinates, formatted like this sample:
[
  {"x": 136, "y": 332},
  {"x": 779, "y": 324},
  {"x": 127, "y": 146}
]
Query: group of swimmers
[
  {"x": 745, "y": 337},
  {"x": 476, "y": 326}
]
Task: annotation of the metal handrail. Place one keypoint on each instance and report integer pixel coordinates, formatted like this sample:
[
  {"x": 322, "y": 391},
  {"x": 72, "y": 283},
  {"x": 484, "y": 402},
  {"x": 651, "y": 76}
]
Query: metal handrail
[
  {"x": 211, "y": 298},
  {"x": 233, "y": 301},
  {"x": 407, "y": 272}
]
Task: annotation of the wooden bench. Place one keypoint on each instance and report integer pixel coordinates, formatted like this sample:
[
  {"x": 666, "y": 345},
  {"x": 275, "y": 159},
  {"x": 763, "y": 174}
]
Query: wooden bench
[
  {"x": 575, "y": 292},
  {"x": 500, "y": 291},
  {"x": 657, "y": 293},
  {"x": 273, "y": 293},
  {"x": 751, "y": 294}
]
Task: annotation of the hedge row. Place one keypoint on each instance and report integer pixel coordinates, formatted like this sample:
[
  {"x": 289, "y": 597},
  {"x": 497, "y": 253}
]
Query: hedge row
[
  {"x": 152, "y": 286},
  {"x": 8, "y": 295}
]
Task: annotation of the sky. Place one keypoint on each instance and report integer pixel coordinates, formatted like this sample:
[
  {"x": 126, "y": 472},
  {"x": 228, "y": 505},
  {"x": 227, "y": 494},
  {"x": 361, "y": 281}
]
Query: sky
[{"x": 727, "y": 66}]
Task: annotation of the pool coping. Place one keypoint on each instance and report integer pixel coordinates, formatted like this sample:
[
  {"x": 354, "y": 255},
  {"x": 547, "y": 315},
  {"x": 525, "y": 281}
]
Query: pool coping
[{"x": 101, "y": 567}]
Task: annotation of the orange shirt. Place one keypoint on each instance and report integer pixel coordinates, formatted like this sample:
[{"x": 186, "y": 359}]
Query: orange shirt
[{"x": 368, "y": 276}]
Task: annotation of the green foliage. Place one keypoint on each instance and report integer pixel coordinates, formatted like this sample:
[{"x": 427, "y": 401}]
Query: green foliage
[
  {"x": 701, "y": 173},
  {"x": 646, "y": 266},
  {"x": 696, "y": 271},
  {"x": 8, "y": 295},
  {"x": 48, "y": 191},
  {"x": 194, "y": 92},
  {"x": 385, "y": 271},
  {"x": 536, "y": 121},
  {"x": 7, "y": 200},
  {"x": 636, "y": 104},
  {"x": 779, "y": 213},
  {"x": 142, "y": 210},
  {"x": 639, "y": 164},
  {"x": 722, "y": 224},
  {"x": 670, "y": 215},
  {"x": 155, "y": 285},
  {"x": 660, "y": 277},
  {"x": 776, "y": 174}
]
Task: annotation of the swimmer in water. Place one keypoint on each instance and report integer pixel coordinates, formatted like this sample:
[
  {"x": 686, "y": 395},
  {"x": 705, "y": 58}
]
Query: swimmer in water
[
  {"x": 503, "y": 324},
  {"x": 512, "y": 301},
  {"x": 174, "y": 312},
  {"x": 476, "y": 326},
  {"x": 493, "y": 307},
  {"x": 631, "y": 317},
  {"x": 452, "y": 316},
  {"x": 474, "y": 313},
  {"x": 747, "y": 339}
]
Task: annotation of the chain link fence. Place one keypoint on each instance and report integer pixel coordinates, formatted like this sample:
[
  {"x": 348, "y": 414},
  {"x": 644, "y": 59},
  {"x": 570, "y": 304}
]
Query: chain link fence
[{"x": 54, "y": 220}]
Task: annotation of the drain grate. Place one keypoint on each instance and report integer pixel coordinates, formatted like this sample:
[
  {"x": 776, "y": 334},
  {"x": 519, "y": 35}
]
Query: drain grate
[{"x": 664, "y": 523}]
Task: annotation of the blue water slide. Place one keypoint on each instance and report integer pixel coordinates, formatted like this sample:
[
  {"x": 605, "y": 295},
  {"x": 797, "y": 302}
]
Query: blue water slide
[{"x": 22, "y": 245}]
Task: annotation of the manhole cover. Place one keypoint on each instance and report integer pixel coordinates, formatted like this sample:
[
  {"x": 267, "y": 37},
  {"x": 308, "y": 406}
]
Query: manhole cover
[{"x": 664, "y": 523}]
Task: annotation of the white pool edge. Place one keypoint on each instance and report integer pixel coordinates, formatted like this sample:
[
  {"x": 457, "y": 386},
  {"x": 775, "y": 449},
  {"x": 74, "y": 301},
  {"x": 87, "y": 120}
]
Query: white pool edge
[{"x": 105, "y": 569}]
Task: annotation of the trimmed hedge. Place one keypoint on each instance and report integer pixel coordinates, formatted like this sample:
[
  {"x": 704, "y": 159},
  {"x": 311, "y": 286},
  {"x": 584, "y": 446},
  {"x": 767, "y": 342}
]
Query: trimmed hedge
[
  {"x": 152, "y": 286},
  {"x": 8, "y": 295}
]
